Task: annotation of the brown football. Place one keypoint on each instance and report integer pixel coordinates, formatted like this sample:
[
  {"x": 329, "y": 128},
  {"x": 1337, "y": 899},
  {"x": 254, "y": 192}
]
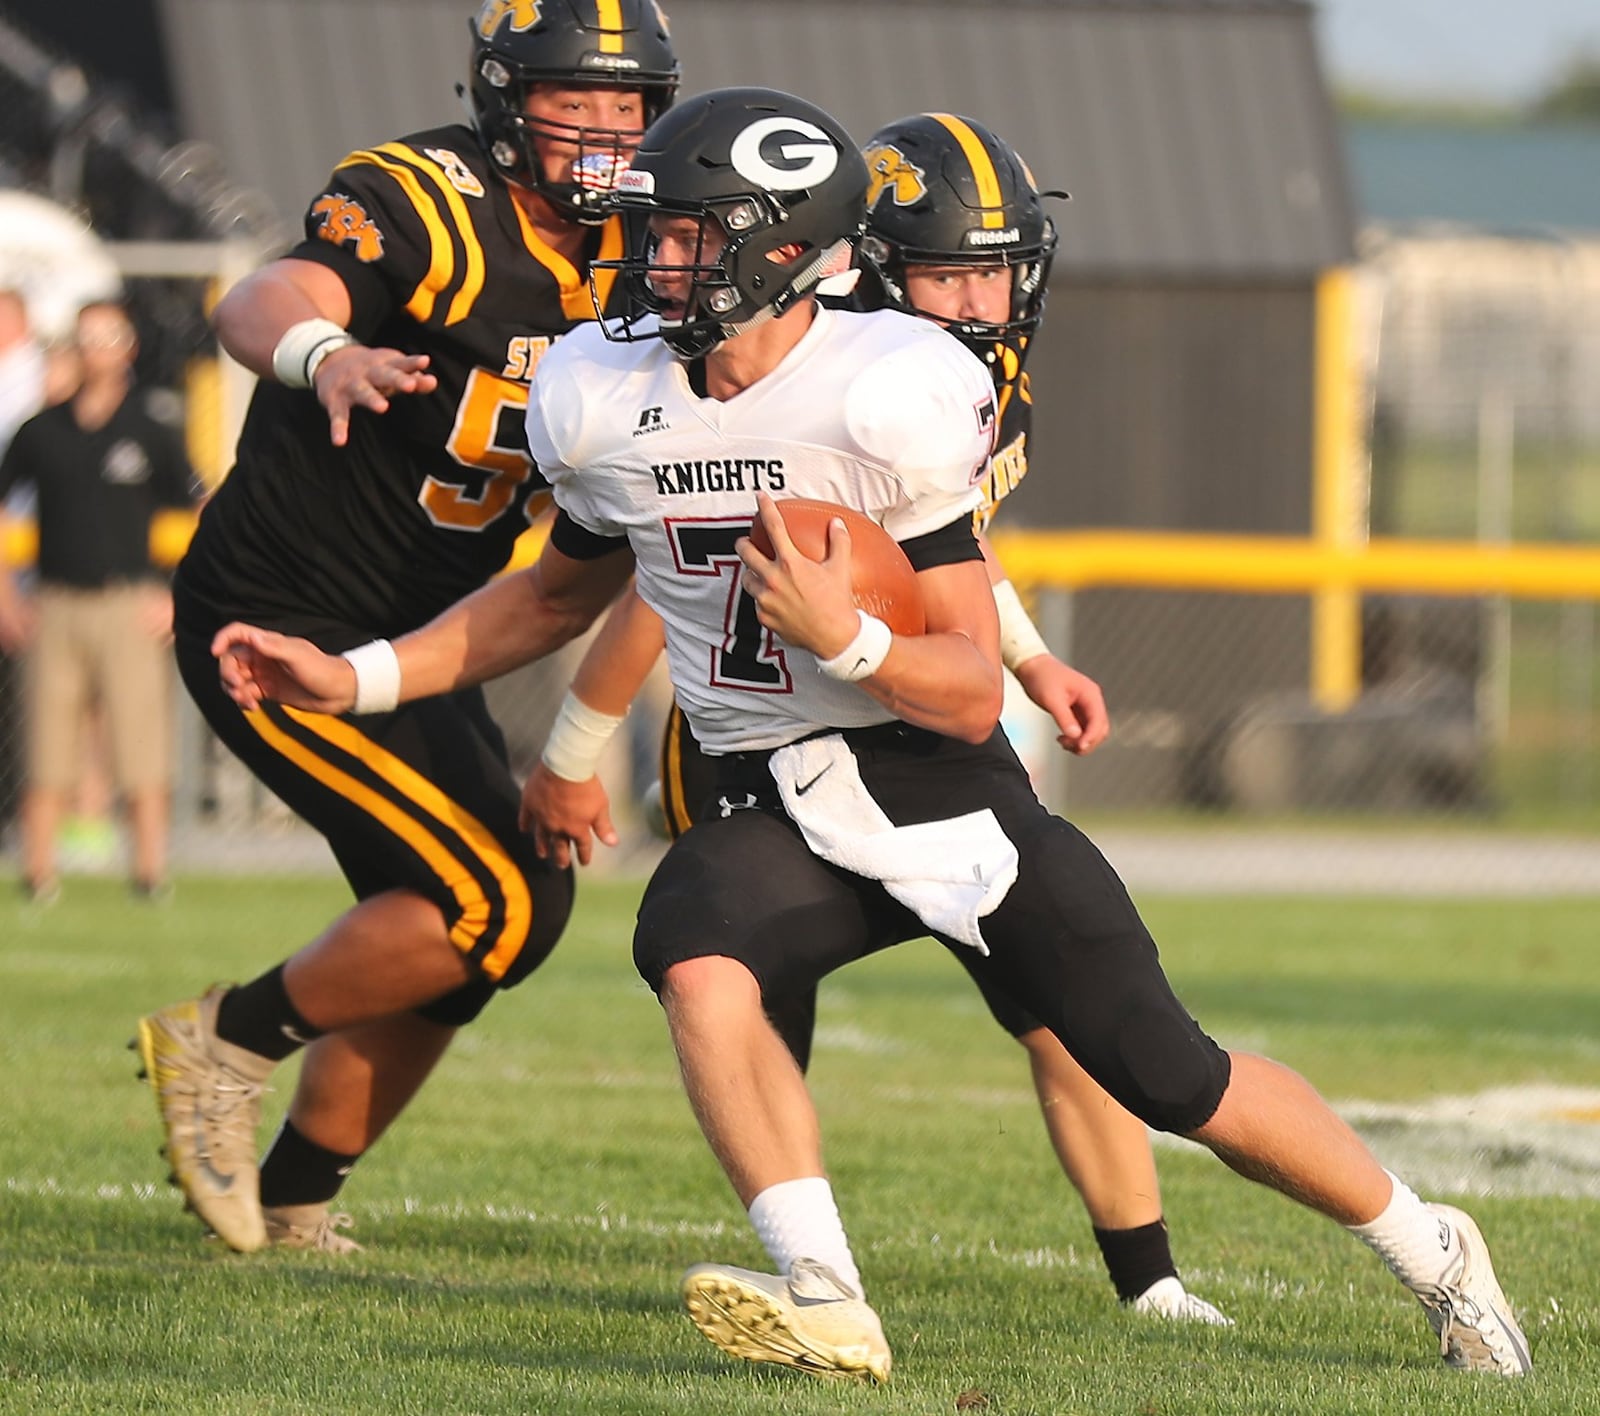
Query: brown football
[{"x": 882, "y": 580}]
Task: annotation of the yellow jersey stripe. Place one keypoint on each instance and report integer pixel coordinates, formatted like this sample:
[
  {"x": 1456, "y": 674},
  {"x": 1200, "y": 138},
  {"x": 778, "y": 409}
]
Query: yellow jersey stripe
[
  {"x": 610, "y": 17},
  {"x": 576, "y": 303},
  {"x": 442, "y": 263},
  {"x": 675, "y": 808},
  {"x": 462, "y": 884},
  {"x": 472, "y": 281},
  {"x": 982, "y": 165},
  {"x": 417, "y": 788}
]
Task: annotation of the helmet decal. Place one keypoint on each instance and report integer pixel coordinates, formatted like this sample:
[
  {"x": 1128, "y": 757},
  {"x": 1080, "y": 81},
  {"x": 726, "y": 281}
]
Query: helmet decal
[
  {"x": 889, "y": 170},
  {"x": 523, "y": 14},
  {"x": 815, "y": 153}
]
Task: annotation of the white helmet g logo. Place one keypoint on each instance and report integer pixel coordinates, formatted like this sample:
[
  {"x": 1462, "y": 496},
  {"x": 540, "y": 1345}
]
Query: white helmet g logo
[{"x": 817, "y": 149}]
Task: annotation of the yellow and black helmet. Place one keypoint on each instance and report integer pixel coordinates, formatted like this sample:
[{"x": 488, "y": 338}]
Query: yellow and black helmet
[
  {"x": 518, "y": 43},
  {"x": 944, "y": 190}
]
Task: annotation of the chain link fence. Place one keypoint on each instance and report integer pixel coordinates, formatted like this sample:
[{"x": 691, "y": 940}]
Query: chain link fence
[{"x": 1469, "y": 758}]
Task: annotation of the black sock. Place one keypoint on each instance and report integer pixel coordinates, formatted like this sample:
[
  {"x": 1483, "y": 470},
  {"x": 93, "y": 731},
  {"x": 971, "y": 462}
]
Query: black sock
[
  {"x": 1136, "y": 1258},
  {"x": 300, "y": 1172},
  {"x": 260, "y": 1018}
]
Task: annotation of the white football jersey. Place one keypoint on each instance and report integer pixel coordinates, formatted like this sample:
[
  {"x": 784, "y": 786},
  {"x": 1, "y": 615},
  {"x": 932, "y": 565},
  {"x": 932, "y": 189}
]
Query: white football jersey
[{"x": 882, "y": 412}]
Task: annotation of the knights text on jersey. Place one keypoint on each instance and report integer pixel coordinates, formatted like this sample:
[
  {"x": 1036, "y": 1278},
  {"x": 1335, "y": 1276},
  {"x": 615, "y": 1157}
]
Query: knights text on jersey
[
  {"x": 425, "y": 501},
  {"x": 881, "y": 412}
]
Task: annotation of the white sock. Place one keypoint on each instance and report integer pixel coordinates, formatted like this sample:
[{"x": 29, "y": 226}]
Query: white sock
[
  {"x": 1409, "y": 1237},
  {"x": 797, "y": 1219}
]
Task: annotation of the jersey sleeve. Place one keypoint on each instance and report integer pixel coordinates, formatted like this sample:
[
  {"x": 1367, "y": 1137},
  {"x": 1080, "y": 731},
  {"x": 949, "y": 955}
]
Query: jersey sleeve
[
  {"x": 927, "y": 412},
  {"x": 554, "y": 429},
  {"x": 389, "y": 224}
]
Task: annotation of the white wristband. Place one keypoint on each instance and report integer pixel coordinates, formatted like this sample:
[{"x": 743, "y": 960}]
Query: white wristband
[
  {"x": 303, "y": 347},
  {"x": 863, "y": 656},
  {"x": 377, "y": 669},
  {"x": 1019, "y": 640},
  {"x": 578, "y": 738}
]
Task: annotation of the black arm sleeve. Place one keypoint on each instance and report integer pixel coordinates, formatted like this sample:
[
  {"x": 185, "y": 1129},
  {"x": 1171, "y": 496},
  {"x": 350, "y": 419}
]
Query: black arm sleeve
[
  {"x": 573, "y": 541},
  {"x": 949, "y": 545}
]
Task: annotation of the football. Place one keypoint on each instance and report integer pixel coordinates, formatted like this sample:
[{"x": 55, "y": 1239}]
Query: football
[{"x": 882, "y": 580}]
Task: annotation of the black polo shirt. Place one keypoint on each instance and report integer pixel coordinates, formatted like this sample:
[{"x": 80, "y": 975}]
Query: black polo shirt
[{"x": 97, "y": 490}]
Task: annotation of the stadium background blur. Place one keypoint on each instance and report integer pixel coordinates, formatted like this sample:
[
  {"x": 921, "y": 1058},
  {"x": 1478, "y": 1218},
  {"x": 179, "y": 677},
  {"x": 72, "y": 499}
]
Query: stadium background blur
[{"x": 1314, "y": 491}]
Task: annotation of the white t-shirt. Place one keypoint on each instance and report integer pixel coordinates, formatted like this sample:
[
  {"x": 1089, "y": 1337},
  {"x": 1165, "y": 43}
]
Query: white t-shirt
[{"x": 882, "y": 412}]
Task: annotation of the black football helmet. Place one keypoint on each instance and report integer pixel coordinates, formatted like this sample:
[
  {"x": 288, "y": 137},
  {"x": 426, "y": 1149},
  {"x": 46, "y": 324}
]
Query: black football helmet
[
  {"x": 944, "y": 190},
  {"x": 518, "y": 43},
  {"x": 770, "y": 170}
]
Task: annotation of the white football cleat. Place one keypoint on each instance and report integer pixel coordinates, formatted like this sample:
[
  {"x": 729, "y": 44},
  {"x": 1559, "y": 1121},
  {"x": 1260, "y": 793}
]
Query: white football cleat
[
  {"x": 209, "y": 1095},
  {"x": 1167, "y": 1298},
  {"x": 1477, "y": 1330},
  {"x": 808, "y": 1319}
]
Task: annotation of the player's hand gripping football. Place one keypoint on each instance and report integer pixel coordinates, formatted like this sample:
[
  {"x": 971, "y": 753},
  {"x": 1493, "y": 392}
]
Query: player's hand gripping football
[
  {"x": 563, "y": 815},
  {"x": 361, "y": 377},
  {"x": 1073, "y": 699},
  {"x": 804, "y": 602},
  {"x": 259, "y": 666}
]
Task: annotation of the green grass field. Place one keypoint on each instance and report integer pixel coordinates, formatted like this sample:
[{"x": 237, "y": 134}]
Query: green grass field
[{"x": 527, "y": 1222}]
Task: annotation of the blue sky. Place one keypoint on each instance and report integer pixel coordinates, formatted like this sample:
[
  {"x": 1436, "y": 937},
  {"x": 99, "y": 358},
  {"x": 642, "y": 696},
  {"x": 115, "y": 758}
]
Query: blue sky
[{"x": 1497, "y": 49}]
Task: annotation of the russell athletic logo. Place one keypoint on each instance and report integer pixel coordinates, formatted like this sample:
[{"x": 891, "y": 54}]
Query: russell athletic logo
[{"x": 650, "y": 421}]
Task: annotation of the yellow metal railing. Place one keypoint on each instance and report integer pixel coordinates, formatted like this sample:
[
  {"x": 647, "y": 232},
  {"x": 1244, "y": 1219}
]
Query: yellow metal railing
[
  {"x": 1327, "y": 569},
  {"x": 1291, "y": 565},
  {"x": 1173, "y": 560}
]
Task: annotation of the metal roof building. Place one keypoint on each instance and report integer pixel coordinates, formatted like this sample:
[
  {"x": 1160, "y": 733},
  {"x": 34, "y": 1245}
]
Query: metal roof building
[
  {"x": 1195, "y": 134},
  {"x": 1196, "y": 137},
  {"x": 1175, "y": 376}
]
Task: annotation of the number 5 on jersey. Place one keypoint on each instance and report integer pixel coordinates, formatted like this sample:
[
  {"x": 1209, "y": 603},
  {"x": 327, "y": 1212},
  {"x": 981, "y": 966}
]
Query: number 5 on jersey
[{"x": 487, "y": 436}]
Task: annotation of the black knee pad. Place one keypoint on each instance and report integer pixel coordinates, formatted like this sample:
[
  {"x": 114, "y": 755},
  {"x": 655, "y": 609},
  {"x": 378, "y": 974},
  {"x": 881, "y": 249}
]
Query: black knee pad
[{"x": 1178, "y": 1073}]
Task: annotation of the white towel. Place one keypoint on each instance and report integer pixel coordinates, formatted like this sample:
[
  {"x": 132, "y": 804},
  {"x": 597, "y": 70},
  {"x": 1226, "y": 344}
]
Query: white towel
[{"x": 950, "y": 873}]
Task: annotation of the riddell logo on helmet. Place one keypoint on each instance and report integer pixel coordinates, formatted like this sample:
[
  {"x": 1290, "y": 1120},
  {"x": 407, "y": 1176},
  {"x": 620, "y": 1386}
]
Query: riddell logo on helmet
[{"x": 1009, "y": 236}]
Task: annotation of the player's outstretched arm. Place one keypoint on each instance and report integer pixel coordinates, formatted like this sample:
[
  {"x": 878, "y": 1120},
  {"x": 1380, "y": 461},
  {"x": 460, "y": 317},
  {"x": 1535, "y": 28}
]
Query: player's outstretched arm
[
  {"x": 287, "y": 321},
  {"x": 510, "y": 622},
  {"x": 564, "y": 803},
  {"x": 947, "y": 679},
  {"x": 1069, "y": 696}
]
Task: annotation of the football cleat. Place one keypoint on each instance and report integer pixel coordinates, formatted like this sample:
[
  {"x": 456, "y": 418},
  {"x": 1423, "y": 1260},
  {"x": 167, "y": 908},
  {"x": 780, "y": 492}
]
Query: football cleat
[
  {"x": 1476, "y": 1328},
  {"x": 309, "y": 1227},
  {"x": 209, "y": 1095},
  {"x": 808, "y": 1319},
  {"x": 1167, "y": 1298}
]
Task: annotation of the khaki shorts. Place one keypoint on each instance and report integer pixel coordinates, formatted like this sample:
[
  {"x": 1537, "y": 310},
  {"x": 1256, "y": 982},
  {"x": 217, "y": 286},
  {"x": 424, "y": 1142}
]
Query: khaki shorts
[{"x": 91, "y": 647}]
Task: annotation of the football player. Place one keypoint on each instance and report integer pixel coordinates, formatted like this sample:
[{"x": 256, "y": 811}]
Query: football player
[
  {"x": 866, "y": 794},
  {"x": 382, "y": 474},
  {"x": 958, "y": 234}
]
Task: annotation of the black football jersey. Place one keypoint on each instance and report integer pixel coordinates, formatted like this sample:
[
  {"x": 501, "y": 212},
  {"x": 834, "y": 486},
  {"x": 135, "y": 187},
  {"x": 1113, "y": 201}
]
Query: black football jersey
[
  {"x": 1009, "y": 465},
  {"x": 425, "y": 501}
]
